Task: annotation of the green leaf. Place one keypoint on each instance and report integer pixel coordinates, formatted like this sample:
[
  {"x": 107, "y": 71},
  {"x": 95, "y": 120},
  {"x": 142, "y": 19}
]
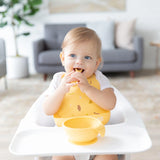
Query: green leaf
[
  {"x": 3, "y": 24},
  {"x": 27, "y": 23},
  {"x": 15, "y": 2},
  {"x": 1, "y": 3},
  {"x": 35, "y": 2},
  {"x": 3, "y": 14},
  {"x": 26, "y": 34},
  {"x": 23, "y": 34},
  {"x": 26, "y": 7},
  {"x": 33, "y": 11},
  {"x": 17, "y": 17}
]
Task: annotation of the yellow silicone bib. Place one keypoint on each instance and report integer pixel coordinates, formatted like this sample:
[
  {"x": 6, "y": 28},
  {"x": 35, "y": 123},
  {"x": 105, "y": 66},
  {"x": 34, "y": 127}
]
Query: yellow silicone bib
[{"x": 77, "y": 103}]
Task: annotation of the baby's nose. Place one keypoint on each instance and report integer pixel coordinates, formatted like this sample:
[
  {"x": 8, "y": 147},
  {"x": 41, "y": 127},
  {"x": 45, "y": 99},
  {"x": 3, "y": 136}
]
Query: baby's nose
[{"x": 79, "y": 61}]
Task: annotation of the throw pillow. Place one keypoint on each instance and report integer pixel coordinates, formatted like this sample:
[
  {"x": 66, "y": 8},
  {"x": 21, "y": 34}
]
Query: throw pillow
[
  {"x": 124, "y": 34},
  {"x": 105, "y": 31}
]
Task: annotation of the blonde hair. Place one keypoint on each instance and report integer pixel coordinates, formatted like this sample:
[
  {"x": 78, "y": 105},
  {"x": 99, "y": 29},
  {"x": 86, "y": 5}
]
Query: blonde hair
[{"x": 82, "y": 34}]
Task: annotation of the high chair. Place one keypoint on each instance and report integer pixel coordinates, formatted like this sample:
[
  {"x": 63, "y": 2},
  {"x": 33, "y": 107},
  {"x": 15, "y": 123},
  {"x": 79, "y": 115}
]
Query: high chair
[{"x": 38, "y": 136}]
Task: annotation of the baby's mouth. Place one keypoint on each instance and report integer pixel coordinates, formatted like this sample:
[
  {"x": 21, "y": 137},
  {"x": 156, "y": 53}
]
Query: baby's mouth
[{"x": 78, "y": 70}]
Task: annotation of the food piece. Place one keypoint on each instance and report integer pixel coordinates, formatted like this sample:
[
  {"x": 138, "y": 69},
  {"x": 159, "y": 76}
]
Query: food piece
[{"x": 79, "y": 70}]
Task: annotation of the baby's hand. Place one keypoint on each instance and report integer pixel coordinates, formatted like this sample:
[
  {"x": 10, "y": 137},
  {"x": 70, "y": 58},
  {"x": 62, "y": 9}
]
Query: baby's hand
[
  {"x": 81, "y": 80},
  {"x": 66, "y": 82}
]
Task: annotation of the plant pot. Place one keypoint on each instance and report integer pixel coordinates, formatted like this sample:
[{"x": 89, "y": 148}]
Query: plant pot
[{"x": 17, "y": 67}]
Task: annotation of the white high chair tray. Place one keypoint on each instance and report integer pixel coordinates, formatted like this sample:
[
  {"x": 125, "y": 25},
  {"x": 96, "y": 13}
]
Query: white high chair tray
[
  {"x": 125, "y": 134},
  {"x": 47, "y": 141}
]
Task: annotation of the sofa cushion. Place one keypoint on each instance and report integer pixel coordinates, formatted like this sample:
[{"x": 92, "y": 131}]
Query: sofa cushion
[
  {"x": 52, "y": 44},
  {"x": 50, "y": 57},
  {"x": 105, "y": 31},
  {"x": 118, "y": 56},
  {"x": 55, "y": 33}
]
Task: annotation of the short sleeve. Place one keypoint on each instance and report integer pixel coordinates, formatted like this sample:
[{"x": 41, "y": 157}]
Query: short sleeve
[
  {"x": 103, "y": 80},
  {"x": 54, "y": 83}
]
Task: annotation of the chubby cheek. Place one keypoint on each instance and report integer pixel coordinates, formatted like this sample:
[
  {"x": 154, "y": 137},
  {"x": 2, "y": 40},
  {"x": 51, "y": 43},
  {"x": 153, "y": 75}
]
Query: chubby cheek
[
  {"x": 68, "y": 67},
  {"x": 89, "y": 71},
  {"x": 91, "y": 66}
]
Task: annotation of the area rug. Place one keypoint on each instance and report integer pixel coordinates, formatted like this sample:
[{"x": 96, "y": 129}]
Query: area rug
[{"x": 143, "y": 92}]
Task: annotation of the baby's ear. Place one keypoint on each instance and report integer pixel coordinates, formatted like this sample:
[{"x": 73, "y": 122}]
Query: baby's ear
[
  {"x": 62, "y": 58},
  {"x": 99, "y": 60}
]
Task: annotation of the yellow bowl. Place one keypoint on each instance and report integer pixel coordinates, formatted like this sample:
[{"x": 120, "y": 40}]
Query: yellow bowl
[{"x": 83, "y": 130}]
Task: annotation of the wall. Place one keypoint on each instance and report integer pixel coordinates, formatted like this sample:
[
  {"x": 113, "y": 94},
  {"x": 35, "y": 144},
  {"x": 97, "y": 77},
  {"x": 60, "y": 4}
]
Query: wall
[{"x": 146, "y": 12}]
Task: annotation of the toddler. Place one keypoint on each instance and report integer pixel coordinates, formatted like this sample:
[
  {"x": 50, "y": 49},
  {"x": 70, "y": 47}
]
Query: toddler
[{"x": 81, "y": 51}]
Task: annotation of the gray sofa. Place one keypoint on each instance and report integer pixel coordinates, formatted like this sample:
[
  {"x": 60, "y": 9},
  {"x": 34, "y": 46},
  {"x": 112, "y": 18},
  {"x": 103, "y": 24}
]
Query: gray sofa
[
  {"x": 46, "y": 52},
  {"x": 3, "y": 70}
]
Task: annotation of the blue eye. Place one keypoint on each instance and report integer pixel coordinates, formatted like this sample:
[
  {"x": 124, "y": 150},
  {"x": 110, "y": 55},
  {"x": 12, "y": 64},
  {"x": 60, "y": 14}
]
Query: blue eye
[
  {"x": 72, "y": 55},
  {"x": 87, "y": 57}
]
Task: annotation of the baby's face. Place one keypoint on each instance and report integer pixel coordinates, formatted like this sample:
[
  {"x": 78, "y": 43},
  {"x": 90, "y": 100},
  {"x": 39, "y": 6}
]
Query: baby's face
[{"x": 82, "y": 57}]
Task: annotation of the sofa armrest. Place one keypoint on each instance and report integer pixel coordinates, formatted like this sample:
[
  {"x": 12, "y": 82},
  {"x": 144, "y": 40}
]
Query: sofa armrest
[
  {"x": 3, "y": 50},
  {"x": 3, "y": 69},
  {"x": 138, "y": 47},
  {"x": 38, "y": 47}
]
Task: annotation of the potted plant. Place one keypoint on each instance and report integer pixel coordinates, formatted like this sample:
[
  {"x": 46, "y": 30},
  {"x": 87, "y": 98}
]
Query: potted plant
[{"x": 15, "y": 14}]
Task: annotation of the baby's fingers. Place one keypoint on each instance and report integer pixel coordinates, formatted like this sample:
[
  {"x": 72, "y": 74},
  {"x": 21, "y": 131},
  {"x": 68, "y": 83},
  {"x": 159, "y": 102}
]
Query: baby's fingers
[
  {"x": 71, "y": 84},
  {"x": 69, "y": 74},
  {"x": 71, "y": 79}
]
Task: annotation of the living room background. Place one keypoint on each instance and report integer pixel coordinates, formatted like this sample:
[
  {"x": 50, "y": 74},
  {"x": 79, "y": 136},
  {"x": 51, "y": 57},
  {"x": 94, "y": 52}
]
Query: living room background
[{"x": 147, "y": 16}]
